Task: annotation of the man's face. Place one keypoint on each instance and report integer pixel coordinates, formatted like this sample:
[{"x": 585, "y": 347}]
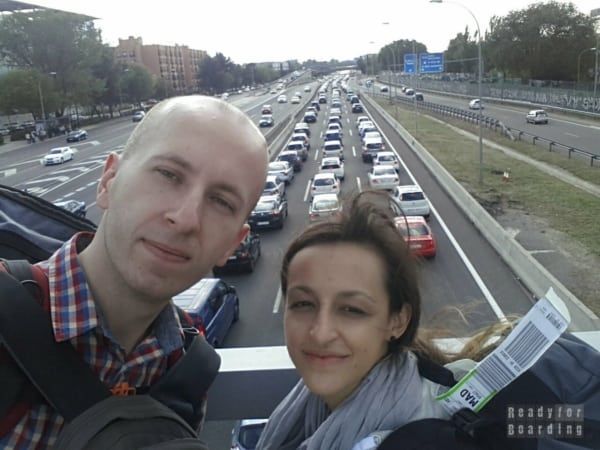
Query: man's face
[{"x": 177, "y": 206}]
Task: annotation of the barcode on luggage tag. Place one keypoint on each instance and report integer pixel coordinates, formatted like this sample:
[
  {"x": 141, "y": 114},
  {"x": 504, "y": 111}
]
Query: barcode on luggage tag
[{"x": 526, "y": 345}]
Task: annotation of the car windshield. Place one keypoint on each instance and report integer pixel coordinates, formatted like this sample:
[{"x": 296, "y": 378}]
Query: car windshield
[
  {"x": 324, "y": 182},
  {"x": 269, "y": 185},
  {"x": 373, "y": 145},
  {"x": 387, "y": 158},
  {"x": 325, "y": 204},
  {"x": 412, "y": 196},
  {"x": 274, "y": 166},
  {"x": 414, "y": 229},
  {"x": 56, "y": 150},
  {"x": 249, "y": 435},
  {"x": 265, "y": 206}
]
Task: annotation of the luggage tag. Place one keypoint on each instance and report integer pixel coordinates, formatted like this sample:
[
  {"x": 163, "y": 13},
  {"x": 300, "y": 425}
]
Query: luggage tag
[{"x": 520, "y": 350}]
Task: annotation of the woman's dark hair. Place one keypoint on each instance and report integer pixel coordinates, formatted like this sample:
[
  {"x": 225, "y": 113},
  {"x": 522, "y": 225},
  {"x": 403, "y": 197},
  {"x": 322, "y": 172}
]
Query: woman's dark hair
[{"x": 368, "y": 220}]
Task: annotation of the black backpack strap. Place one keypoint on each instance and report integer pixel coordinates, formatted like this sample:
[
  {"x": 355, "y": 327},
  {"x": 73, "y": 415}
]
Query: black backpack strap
[{"x": 56, "y": 370}]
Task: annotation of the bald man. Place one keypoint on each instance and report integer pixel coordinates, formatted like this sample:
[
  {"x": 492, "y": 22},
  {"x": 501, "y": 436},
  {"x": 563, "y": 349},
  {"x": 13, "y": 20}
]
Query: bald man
[{"x": 175, "y": 204}]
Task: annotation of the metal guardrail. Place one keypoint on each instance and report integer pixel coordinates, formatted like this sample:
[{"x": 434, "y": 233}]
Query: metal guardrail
[{"x": 495, "y": 125}]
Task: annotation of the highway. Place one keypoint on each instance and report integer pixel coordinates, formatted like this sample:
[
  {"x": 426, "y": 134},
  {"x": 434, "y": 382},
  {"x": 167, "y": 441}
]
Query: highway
[
  {"x": 566, "y": 130},
  {"x": 466, "y": 273}
]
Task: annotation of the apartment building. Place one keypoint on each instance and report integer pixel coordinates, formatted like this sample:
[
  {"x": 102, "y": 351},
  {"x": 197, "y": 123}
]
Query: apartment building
[{"x": 177, "y": 65}]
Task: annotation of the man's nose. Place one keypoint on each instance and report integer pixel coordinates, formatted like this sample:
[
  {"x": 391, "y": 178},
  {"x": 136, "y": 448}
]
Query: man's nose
[{"x": 185, "y": 213}]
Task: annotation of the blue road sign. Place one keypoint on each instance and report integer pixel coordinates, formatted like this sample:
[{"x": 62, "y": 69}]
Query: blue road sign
[
  {"x": 409, "y": 63},
  {"x": 431, "y": 62}
]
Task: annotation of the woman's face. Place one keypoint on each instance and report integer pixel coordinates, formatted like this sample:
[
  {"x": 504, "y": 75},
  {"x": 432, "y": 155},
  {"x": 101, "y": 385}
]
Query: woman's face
[{"x": 337, "y": 317}]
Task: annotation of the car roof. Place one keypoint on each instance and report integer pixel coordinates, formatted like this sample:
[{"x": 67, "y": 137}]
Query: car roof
[
  {"x": 272, "y": 178},
  {"x": 331, "y": 159},
  {"x": 410, "y": 219},
  {"x": 333, "y": 143},
  {"x": 328, "y": 196},
  {"x": 59, "y": 148},
  {"x": 245, "y": 422},
  {"x": 324, "y": 175},
  {"x": 535, "y": 111},
  {"x": 196, "y": 294},
  {"x": 386, "y": 154},
  {"x": 381, "y": 167},
  {"x": 409, "y": 188}
]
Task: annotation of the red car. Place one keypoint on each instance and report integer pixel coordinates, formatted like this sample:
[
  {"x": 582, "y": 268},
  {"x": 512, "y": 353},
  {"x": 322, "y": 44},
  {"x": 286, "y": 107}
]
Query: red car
[{"x": 417, "y": 235}]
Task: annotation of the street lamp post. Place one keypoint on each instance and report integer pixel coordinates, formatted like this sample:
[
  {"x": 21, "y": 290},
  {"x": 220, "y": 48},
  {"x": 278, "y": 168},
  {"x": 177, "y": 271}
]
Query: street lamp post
[
  {"x": 479, "y": 78},
  {"x": 373, "y": 67},
  {"x": 596, "y": 15},
  {"x": 42, "y": 99},
  {"x": 593, "y": 49},
  {"x": 393, "y": 64}
]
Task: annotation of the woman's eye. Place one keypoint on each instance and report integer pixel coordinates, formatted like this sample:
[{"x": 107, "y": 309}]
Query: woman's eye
[
  {"x": 353, "y": 311},
  {"x": 300, "y": 304}
]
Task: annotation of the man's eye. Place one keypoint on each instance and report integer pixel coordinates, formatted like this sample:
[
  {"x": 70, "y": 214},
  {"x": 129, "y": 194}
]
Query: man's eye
[
  {"x": 224, "y": 203},
  {"x": 168, "y": 174}
]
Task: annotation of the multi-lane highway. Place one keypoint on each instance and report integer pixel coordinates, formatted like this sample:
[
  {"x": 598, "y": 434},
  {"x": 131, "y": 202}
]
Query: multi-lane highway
[{"x": 466, "y": 272}]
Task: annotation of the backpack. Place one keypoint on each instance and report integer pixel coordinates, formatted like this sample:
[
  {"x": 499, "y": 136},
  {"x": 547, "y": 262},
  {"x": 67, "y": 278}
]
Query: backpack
[
  {"x": 168, "y": 413},
  {"x": 567, "y": 375},
  {"x": 32, "y": 228}
]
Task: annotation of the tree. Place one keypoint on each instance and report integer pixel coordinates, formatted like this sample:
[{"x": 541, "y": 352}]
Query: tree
[
  {"x": 66, "y": 45},
  {"x": 461, "y": 54},
  {"x": 162, "y": 89},
  {"x": 217, "y": 74},
  {"x": 541, "y": 41},
  {"x": 20, "y": 93},
  {"x": 137, "y": 84}
]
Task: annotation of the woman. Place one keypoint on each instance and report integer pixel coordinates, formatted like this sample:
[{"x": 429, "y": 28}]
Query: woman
[{"x": 352, "y": 308}]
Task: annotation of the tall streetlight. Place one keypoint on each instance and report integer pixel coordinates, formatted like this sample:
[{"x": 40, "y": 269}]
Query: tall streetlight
[
  {"x": 393, "y": 63},
  {"x": 373, "y": 66},
  {"x": 596, "y": 15},
  {"x": 42, "y": 98},
  {"x": 479, "y": 78},
  {"x": 593, "y": 49}
]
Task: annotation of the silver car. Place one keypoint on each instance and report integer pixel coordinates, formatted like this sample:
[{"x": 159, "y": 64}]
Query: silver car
[
  {"x": 412, "y": 200},
  {"x": 283, "y": 170},
  {"x": 536, "y": 116}
]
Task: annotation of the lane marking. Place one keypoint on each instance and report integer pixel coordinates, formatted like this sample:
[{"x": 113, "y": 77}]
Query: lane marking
[
  {"x": 533, "y": 252},
  {"x": 278, "y": 300},
  {"x": 350, "y": 132},
  {"x": 572, "y": 135},
  {"x": 466, "y": 261},
  {"x": 358, "y": 184},
  {"x": 307, "y": 190},
  {"x": 353, "y": 151}
]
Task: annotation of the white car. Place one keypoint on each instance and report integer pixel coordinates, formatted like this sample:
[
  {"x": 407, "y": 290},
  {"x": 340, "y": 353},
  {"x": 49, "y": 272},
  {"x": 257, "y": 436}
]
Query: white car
[
  {"x": 302, "y": 138},
  {"x": 282, "y": 99},
  {"x": 333, "y": 148},
  {"x": 324, "y": 183},
  {"x": 295, "y": 100},
  {"x": 412, "y": 200},
  {"x": 361, "y": 119},
  {"x": 58, "y": 155},
  {"x": 283, "y": 170},
  {"x": 266, "y": 120},
  {"x": 274, "y": 186},
  {"x": 333, "y": 165},
  {"x": 324, "y": 205},
  {"x": 306, "y": 88},
  {"x": 536, "y": 116},
  {"x": 475, "y": 104},
  {"x": 383, "y": 177},
  {"x": 386, "y": 158}
]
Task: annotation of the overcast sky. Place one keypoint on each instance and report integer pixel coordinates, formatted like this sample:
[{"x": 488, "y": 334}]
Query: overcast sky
[{"x": 270, "y": 30}]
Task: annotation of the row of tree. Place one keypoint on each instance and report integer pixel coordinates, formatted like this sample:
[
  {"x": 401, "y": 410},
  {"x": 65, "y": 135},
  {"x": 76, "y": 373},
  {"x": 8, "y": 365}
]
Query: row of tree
[{"x": 547, "y": 41}]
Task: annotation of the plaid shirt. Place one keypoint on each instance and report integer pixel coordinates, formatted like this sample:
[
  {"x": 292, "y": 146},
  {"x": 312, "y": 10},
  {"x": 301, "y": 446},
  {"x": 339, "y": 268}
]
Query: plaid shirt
[{"x": 76, "y": 318}]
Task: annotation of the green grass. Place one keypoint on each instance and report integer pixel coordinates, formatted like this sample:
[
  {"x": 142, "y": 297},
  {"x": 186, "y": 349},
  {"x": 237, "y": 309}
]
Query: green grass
[{"x": 566, "y": 208}]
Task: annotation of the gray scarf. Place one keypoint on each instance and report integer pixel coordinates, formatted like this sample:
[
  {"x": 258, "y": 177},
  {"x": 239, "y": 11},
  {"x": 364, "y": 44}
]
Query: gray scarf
[{"x": 388, "y": 397}]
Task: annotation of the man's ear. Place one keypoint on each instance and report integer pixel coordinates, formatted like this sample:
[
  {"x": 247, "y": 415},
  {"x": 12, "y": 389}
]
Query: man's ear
[
  {"x": 400, "y": 322},
  {"x": 111, "y": 165},
  {"x": 239, "y": 238}
]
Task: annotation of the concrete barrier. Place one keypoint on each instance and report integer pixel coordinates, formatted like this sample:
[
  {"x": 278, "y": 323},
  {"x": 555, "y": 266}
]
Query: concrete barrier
[{"x": 533, "y": 275}]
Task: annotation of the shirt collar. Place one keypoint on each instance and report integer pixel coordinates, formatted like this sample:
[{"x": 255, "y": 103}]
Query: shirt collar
[{"x": 72, "y": 306}]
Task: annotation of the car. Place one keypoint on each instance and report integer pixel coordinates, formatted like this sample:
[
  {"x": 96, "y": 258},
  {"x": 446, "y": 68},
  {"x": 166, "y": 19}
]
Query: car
[
  {"x": 266, "y": 120},
  {"x": 295, "y": 100},
  {"x": 409, "y": 92},
  {"x": 224, "y": 95},
  {"x": 306, "y": 88},
  {"x": 334, "y": 165},
  {"x": 536, "y": 116},
  {"x": 475, "y": 104},
  {"x": 77, "y": 135},
  {"x": 282, "y": 99},
  {"x": 357, "y": 108},
  {"x": 292, "y": 158},
  {"x": 417, "y": 235},
  {"x": 333, "y": 148},
  {"x": 274, "y": 186},
  {"x": 419, "y": 96},
  {"x": 383, "y": 89},
  {"x": 334, "y": 126},
  {"x": 283, "y": 170},
  {"x": 354, "y": 99},
  {"x": 57, "y": 155},
  {"x": 266, "y": 109},
  {"x": 322, "y": 99},
  {"x": 244, "y": 258},
  {"x": 299, "y": 147},
  {"x": 333, "y": 135},
  {"x": 309, "y": 117},
  {"x": 371, "y": 147},
  {"x": 246, "y": 433},
  {"x": 302, "y": 127},
  {"x": 412, "y": 200},
  {"x": 324, "y": 183},
  {"x": 138, "y": 116},
  {"x": 76, "y": 207},
  {"x": 361, "y": 119},
  {"x": 313, "y": 110},
  {"x": 383, "y": 177},
  {"x": 335, "y": 119},
  {"x": 301, "y": 137},
  {"x": 386, "y": 158},
  {"x": 335, "y": 111},
  {"x": 269, "y": 212},
  {"x": 323, "y": 206},
  {"x": 315, "y": 104},
  {"x": 213, "y": 306}
]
